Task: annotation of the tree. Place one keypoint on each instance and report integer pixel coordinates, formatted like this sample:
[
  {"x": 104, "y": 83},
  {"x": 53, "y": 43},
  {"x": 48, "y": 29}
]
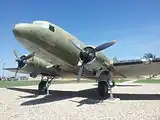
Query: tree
[
  {"x": 115, "y": 59},
  {"x": 149, "y": 55}
]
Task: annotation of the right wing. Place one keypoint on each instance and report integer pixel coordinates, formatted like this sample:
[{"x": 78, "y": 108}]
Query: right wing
[
  {"x": 23, "y": 71},
  {"x": 137, "y": 67}
]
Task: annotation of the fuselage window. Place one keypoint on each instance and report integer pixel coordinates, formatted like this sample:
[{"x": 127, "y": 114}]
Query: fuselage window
[{"x": 51, "y": 28}]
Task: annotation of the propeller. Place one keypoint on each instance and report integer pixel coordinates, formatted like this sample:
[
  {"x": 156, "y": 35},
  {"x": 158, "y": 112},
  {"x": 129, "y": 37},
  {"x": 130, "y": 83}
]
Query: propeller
[
  {"x": 105, "y": 45},
  {"x": 79, "y": 73},
  {"x": 22, "y": 60},
  {"x": 88, "y": 54}
]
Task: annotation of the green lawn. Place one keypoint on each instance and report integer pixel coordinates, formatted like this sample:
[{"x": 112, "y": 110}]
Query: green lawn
[
  {"x": 5, "y": 84},
  {"x": 119, "y": 81},
  {"x": 148, "y": 81},
  {"x": 36, "y": 82}
]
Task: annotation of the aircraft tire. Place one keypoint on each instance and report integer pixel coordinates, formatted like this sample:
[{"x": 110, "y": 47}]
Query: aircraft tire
[
  {"x": 102, "y": 88},
  {"x": 42, "y": 87}
]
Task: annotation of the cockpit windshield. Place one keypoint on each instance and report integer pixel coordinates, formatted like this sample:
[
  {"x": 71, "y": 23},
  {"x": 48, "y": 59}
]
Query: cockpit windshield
[{"x": 45, "y": 24}]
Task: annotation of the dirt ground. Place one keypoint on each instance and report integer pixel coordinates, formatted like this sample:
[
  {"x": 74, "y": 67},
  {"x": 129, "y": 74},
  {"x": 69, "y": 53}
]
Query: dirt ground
[{"x": 81, "y": 102}]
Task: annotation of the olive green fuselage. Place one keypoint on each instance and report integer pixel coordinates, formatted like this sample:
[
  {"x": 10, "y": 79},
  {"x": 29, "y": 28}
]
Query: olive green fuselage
[{"x": 55, "y": 47}]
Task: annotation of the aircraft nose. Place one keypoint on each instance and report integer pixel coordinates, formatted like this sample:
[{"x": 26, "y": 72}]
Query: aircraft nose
[{"x": 19, "y": 29}]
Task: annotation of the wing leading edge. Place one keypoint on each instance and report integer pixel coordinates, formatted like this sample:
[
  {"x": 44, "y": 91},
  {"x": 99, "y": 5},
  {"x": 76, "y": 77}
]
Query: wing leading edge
[
  {"x": 24, "y": 71},
  {"x": 138, "y": 67}
]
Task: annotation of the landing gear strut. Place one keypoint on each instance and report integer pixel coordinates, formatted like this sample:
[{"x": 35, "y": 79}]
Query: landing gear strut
[{"x": 44, "y": 85}]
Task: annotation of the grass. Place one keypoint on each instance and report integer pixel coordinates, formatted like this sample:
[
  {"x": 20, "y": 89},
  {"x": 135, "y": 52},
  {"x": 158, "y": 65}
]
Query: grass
[
  {"x": 5, "y": 84},
  {"x": 120, "y": 81},
  {"x": 148, "y": 81}
]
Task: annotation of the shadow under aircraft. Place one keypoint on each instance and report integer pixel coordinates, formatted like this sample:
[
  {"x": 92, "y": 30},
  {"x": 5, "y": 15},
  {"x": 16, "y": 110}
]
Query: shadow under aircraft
[{"x": 90, "y": 94}]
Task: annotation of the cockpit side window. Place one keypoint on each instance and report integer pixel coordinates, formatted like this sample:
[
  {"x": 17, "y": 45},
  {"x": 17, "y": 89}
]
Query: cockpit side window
[{"x": 51, "y": 28}]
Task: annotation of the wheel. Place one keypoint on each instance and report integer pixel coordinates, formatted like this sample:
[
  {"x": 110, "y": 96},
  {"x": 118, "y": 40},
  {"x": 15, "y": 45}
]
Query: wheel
[
  {"x": 103, "y": 88},
  {"x": 42, "y": 87},
  {"x": 33, "y": 75}
]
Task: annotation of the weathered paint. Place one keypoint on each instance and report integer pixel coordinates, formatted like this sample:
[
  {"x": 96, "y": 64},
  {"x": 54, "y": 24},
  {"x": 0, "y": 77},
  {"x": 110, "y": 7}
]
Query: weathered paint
[{"x": 58, "y": 43}]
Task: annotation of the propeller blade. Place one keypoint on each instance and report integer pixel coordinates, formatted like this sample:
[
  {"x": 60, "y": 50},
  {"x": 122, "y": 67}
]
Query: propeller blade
[
  {"x": 104, "y": 46},
  {"x": 16, "y": 73},
  {"x": 15, "y": 53},
  {"x": 79, "y": 73}
]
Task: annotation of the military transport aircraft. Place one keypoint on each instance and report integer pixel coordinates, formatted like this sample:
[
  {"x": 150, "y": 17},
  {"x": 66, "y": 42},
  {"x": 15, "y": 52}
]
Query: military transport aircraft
[{"x": 57, "y": 53}]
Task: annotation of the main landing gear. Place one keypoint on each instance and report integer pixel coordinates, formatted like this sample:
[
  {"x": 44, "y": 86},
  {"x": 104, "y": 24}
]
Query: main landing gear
[
  {"x": 44, "y": 85},
  {"x": 104, "y": 87}
]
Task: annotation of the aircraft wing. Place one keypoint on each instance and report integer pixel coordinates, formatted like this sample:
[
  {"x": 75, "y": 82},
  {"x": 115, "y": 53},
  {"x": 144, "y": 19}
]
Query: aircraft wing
[
  {"x": 137, "y": 67},
  {"x": 24, "y": 71}
]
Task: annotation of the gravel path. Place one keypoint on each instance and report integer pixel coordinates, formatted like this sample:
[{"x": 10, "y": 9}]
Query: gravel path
[{"x": 84, "y": 105}]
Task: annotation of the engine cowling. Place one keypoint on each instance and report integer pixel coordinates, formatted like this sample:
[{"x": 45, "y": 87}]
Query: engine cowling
[
  {"x": 30, "y": 62},
  {"x": 87, "y": 55}
]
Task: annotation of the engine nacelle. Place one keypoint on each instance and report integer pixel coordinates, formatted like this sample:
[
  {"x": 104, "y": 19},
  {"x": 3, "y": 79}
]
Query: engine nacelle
[
  {"x": 35, "y": 65},
  {"x": 94, "y": 65},
  {"x": 89, "y": 58}
]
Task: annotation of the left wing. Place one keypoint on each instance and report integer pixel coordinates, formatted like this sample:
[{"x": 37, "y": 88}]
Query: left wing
[{"x": 137, "y": 67}]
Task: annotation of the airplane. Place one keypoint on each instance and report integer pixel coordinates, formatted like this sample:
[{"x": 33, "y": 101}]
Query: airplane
[{"x": 57, "y": 53}]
